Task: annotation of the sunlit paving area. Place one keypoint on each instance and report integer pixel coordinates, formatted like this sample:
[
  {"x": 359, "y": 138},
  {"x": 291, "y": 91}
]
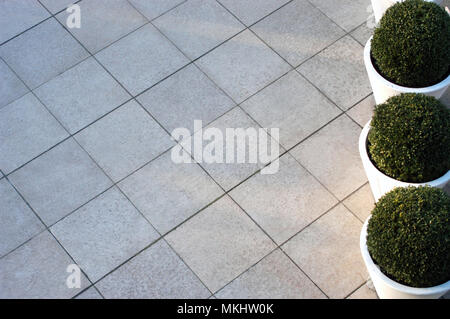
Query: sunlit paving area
[{"x": 121, "y": 175}]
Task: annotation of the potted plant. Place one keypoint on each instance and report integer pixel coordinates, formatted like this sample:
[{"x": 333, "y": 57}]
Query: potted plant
[
  {"x": 407, "y": 143},
  {"x": 405, "y": 243},
  {"x": 409, "y": 51},
  {"x": 380, "y": 6}
]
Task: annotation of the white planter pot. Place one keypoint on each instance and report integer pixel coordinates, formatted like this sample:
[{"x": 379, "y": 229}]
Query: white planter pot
[
  {"x": 381, "y": 183},
  {"x": 389, "y": 289},
  {"x": 380, "y": 6},
  {"x": 383, "y": 89}
]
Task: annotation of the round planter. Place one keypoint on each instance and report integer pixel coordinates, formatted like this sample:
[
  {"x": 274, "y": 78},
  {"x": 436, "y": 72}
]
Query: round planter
[
  {"x": 381, "y": 183},
  {"x": 383, "y": 89},
  {"x": 389, "y": 289},
  {"x": 380, "y": 6}
]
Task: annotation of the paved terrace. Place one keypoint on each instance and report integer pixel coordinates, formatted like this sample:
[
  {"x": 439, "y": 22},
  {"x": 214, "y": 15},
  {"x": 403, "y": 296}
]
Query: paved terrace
[{"x": 85, "y": 149}]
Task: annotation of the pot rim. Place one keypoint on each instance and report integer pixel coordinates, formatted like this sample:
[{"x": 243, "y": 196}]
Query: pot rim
[
  {"x": 403, "y": 89},
  {"x": 373, "y": 268},
  {"x": 365, "y": 157}
]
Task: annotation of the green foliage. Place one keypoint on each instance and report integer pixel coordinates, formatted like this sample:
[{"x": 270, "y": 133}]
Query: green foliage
[
  {"x": 408, "y": 236},
  {"x": 411, "y": 46},
  {"x": 409, "y": 138}
]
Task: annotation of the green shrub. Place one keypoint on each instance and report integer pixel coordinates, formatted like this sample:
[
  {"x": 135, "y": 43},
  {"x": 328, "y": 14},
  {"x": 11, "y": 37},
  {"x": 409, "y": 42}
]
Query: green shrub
[
  {"x": 411, "y": 46},
  {"x": 408, "y": 236},
  {"x": 409, "y": 138}
]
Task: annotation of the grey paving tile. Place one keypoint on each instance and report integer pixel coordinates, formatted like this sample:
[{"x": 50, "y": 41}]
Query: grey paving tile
[
  {"x": 186, "y": 96},
  {"x": 363, "y": 293},
  {"x": 328, "y": 252},
  {"x": 332, "y": 156},
  {"x": 339, "y": 72},
  {"x": 242, "y": 65},
  {"x": 157, "y": 272},
  {"x": 55, "y": 6},
  {"x": 103, "y": 22},
  {"x": 37, "y": 270},
  {"x": 104, "y": 233},
  {"x": 219, "y": 243},
  {"x": 363, "y": 111},
  {"x": 42, "y": 53},
  {"x": 347, "y": 13},
  {"x": 12, "y": 88},
  {"x": 293, "y": 105},
  {"x": 361, "y": 202},
  {"x": 250, "y": 11},
  {"x": 124, "y": 140},
  {"x": 81, "y": 95},
  {"x": 285, "y": 202},
  {"x": 297, "y": 31},
  {"x": 274, "y": 277},
  {"x": 18, "y": 221},
  {"x": 198, "y": 26},
  {"x": 364, "y": 32},
  {"x": 27, "y": 129},
  {"x": 59, "y": 181},
  {"x": 153, "y": 8},
  {"x": 141, "y": 59},
  {"x": 19, "y": 15},
  {"x": 90, "y": 293},
  {"x": 225, "y": 173},
  {"x": 168, "y": 193}
]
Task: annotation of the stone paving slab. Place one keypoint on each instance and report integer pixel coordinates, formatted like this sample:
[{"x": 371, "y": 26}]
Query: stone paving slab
[
  {"x": 156, "y": 273},
  {"x": 297, "y": 31},
  {"x": 59, "y": 181},
  {"x": 27, "y": 130},
  {"x": 104, "y": 233},
  {"x": 124, "y": 140},
  {"x": 276, "y": 276},
  {"x": 251, "y": 11},
  {"x": 37, "y": 270},
  {"x": 104, "y": 22},
  {"x": 328, "y": 252},
  {"x": 332, "y": 155},
  {"x": 19, "y": 223},
  {"x": 285, "y": 202},
  {"x": 220, "y": 243},
  {"x": 81, "y": 95},
  {"x": 12, "y": 87},
  {"x": 197, "y": 26},
  {"x": 142, "y": 59},
  {"x": 86, "y": 168},
  {"x": 243, "y": 65},
  {"x": 19, "y": 15},
  {"x": 42, "y": 53}
]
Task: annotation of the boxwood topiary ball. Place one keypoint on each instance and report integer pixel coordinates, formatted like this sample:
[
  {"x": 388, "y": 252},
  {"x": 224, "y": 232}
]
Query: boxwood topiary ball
[
  {"x": 411, "y": 46},
  {"x": 408, "y": 236},
  {"x": 409, "y": 138}
]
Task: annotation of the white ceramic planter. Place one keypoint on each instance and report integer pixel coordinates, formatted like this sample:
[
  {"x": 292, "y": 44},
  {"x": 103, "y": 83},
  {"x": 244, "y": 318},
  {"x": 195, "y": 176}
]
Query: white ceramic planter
[
  {"x": 380, "y": 6},
  {"x": 389, "y": 289},
  {"x": 383, "y": 89},
  {"x": 381, "y": 183}
]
